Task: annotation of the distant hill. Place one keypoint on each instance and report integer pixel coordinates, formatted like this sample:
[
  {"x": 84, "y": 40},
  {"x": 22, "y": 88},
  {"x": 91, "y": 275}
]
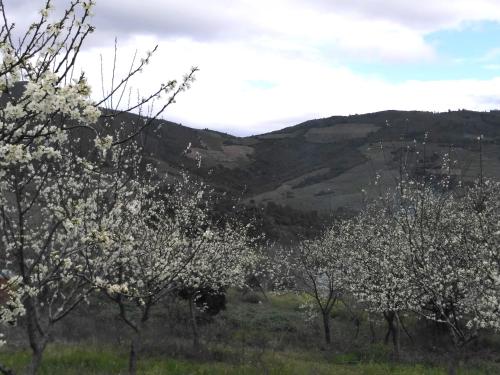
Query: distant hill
[
  {"x": 323, "y": 165},
  {"x": 295, "y": 178}
]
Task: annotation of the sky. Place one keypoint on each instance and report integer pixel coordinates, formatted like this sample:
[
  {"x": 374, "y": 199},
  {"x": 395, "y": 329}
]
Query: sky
[{"x": 268, "y": 64}]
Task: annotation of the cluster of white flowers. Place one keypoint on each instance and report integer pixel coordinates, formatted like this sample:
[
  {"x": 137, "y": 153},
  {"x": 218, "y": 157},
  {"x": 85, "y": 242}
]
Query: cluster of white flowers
[
  {"x": 103, "y": 144},
  {"x": 45, "y": 97},
  {"x": 159, "y": 243},
  {"x": 10, "y": 70},
  {"x": 14, "y": 154},
  {"x": 64, "y": 210},
  {"x": 432, "y": 251},
  {"x": 11, "y": 307}
]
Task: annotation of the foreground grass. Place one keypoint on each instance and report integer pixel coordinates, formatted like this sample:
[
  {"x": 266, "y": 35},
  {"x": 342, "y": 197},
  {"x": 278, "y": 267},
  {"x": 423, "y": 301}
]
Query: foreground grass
[
  {"x": 255, "y": 335},
  {"x": 72, "y": 360}
]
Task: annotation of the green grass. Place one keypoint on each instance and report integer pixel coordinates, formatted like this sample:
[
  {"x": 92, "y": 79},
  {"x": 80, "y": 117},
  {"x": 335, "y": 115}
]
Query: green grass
[
  {"x": 78, "y": 359},
  {"x": 248, "y": 338}
]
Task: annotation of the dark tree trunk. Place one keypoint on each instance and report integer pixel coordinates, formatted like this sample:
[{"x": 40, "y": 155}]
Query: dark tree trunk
[
  {"x": 194, "y": 324},
  {"x": 452, "y": 367},
  {"x": 38, "y": 339},
  {"x": 326, "y": 327},
  {"x": 373, "y": 333},
  {"x": 36, "y": 361},
  {"x": 459, "y": 343},
  {"x": 135, "y": 344},
  {"x": 396, "y": 338},
  {"x": 454, "y": 361},
  {"x": 136, "y": 339},
  {"x": 393, "y": 330},
  {"x": 357, "y": 323},
  {"x": 389, "y": 318}
]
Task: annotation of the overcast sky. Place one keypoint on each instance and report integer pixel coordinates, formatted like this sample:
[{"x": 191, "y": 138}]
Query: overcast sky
[{"x": 268, "y": 64}]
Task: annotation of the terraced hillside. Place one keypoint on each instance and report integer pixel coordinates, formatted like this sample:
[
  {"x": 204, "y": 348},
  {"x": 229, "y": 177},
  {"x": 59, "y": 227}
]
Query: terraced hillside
[{"x": 325, "y": 164}]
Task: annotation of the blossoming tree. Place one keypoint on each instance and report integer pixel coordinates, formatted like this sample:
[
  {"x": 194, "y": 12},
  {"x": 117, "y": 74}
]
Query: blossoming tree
[
  {"x": 227, "y": 258},
  {"x": 51, "y": 182},
  {"x": 156, "y": 239},
  {"x": 453, "y": 263},
  {"x": 142, "y": 247},
  {"x": 317, "y": 268},
  {"x": 433, "y": 251},
  {"x": 378, "y": 279}
]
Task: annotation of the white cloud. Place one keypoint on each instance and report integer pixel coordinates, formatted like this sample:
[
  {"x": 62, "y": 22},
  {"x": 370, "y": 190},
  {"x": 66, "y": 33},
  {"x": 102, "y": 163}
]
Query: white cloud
[
  {"x": 300, "y": 49},
  {"x": 302, "y": 88},
  {"x": 299, "y": 25}
]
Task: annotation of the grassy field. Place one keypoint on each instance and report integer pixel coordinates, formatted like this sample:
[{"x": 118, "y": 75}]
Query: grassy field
[
  {"x": 69, "y": 360},
  {"x": 254, "y": 335}
]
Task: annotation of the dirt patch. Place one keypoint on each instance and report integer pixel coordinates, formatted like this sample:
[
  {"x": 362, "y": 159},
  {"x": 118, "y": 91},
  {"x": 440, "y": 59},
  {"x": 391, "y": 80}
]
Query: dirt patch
[{"x": 230, "y": 157}]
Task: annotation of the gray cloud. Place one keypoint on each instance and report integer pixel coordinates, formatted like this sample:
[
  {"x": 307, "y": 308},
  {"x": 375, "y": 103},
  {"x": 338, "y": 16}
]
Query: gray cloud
[
  {"x": 230, "y": 19},
  {"x": 21, "y": 13},
  {"x": 172, "y": 19},
  {"x": 423, "y": 15},
  {"x": 215, "y": 20}
]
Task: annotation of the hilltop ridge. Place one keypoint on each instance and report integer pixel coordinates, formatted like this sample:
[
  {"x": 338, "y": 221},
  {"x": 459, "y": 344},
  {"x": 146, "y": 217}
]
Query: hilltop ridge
[{"x": 324, "y": 164}]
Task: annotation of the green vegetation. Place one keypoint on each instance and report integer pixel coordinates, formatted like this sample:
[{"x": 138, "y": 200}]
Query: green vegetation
[
  {"x": 69, "y": 360},
  {"x": 254, "y": 335}
]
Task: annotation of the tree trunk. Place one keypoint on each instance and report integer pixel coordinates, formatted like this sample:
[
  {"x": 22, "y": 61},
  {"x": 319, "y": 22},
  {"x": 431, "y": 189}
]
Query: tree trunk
[
  {"x": 454, "y": 361},
  {"x": 456, "y": 354},
  {"x": 135, "y": 344},
  {"x": 36, "y": 361},
  {"x": 396, "y": 338},
  {"x": 194, "y": 324},
  {"x": 393, "y": 329},
  {"x": 38, "y": 339},
  {"x": 357, "y": 323},
  {"x": 373, "y": 333},
  {"x": 389, "y": 317},
  {"x": 326, "y": 327},
  {"x": 452, "y": 367}
]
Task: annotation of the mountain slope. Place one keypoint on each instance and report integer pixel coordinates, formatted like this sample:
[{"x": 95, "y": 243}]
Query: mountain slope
[{"x": 324, "y": 164}]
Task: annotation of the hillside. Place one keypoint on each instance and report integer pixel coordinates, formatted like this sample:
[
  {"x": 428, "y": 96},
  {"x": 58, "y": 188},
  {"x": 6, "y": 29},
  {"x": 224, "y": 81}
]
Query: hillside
[{"x": 323, "y": 165}]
